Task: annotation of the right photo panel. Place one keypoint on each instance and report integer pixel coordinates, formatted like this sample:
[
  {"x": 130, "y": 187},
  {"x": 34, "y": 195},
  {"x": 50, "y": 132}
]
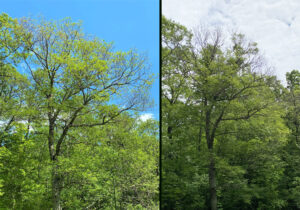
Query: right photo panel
[{"x": 230, "y": 104}]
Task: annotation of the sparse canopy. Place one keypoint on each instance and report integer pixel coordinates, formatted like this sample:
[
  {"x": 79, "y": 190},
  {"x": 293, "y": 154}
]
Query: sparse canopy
[{"x": 55, "y": 76}]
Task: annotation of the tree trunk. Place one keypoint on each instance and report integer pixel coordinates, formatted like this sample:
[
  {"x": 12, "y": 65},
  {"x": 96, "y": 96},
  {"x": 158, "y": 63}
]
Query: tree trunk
[
  {"x": 56, "y": 187},
  {"x": 212, "y": 181},
  {"x": 200, "y": 138},
  {"x": 170, "y": 128},
  {"x": 212, "y": 170},
  {"x": 55, "y": 177}
]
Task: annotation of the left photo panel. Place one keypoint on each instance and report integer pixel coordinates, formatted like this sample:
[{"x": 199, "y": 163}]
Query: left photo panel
[{"x": 79, "y": 104}]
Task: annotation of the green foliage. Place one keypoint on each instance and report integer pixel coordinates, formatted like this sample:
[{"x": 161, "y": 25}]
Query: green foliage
[
  {"x": 22, "y": 178},
  {"x": 227, "y": 127},
  {"x": 68, "y": 135},
  {"x": 101, "y": 168}
]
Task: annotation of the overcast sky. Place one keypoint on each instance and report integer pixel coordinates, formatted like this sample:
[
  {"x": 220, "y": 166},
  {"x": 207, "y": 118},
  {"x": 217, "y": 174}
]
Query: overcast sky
[{"x": 273, "y": 24}]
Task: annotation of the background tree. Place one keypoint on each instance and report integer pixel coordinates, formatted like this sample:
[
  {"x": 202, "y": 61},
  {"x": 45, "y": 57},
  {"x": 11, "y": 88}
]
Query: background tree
[
  {"x": 12, "y": 83},
  {"x": 291, "y": 184},
  {"x": 178, "y": 155}
]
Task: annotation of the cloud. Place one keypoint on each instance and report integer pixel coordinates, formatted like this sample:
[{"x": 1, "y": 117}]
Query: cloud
[
  {"x": 146, "y": 116},
  {"x": 273, "y": 24}
]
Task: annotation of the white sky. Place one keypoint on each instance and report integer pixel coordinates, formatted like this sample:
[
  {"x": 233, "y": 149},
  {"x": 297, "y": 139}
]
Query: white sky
[
  {"x": 146, "y": 116},
  {"x": 273, "y": 24}
]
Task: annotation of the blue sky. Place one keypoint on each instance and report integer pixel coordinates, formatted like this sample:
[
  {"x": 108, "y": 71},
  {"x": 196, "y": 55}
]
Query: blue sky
[{"x": 128, "y": 23}]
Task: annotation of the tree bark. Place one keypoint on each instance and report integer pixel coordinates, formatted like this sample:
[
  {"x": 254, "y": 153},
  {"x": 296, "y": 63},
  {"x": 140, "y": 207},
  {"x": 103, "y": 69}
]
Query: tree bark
[
  {"x": 200, "y": 138},
  {"x": 56, "y": 187},
  {"x": 170, "y": 128},
  {"x": 55, "y": 177},
  {"x": 210, "y": 135},
  {"x": 212, "y": 181}
]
